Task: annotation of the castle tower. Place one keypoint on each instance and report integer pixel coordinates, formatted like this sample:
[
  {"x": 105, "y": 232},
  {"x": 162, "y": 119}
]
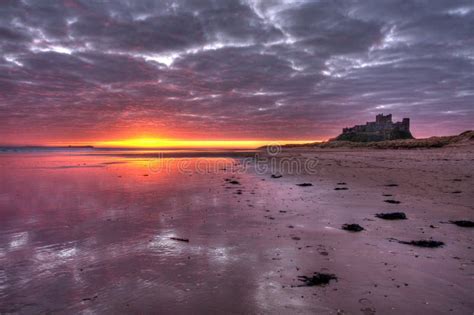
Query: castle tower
[
  {"x": 406, "y": 124},
  {"x": 381, "y": 119}
]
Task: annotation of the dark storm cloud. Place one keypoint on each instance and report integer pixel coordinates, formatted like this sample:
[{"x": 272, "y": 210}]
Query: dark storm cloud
[{"x": 256, "y": 69}]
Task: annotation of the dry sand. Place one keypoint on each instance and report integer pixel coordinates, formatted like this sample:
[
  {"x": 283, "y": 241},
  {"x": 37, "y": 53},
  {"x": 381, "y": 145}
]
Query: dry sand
[{"x": 94, "y": 234}]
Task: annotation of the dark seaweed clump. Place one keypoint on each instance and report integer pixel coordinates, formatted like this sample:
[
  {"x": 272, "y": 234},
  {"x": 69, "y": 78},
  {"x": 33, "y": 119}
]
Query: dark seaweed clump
[
  {"x": 396, "y": 202},
  {"x": 424, "y": 243},
  {"x": 352, "y": 227},
  {"x": 463, "y": 223},
  {"x": 341, "y": 188},
  {"x": 277, "y": 176},
  {"x": 318, "y": 279},
  {"x": 305, "y": 184},
  {"x": 392, "y": 216},
  {"x": 179, "y": 239}
]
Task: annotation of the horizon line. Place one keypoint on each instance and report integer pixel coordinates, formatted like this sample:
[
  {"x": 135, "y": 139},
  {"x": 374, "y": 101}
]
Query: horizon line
[{"x": 155, "y": 144}]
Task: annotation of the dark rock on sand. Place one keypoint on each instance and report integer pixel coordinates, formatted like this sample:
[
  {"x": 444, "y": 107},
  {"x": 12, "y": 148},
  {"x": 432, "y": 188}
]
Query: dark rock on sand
[
  {"x": 234, "y": 182},
  {"x": 392, "y": 216},
  {"x": 277, "y": 176},
  {"x": 304, "y": 184},
  {"x": 463, "y": 223},
  {"x": 396, "y": 202},
  {"x": 341, "y": 188},
  {"x": 318, "y": 279},
  {"x": 423, "y": 243},
  {"x": 90, "y": 299},
  {"x": 352, "y": 227},
  {"x": 179, "y": 239},
  {"x": 391, "y": 185}
]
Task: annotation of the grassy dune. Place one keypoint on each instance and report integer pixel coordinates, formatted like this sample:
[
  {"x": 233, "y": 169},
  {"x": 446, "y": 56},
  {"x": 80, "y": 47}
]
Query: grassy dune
[{"x": 464, "y": 138}]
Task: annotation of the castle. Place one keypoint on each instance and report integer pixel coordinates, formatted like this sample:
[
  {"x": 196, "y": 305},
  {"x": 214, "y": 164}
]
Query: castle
[{"x": 383, "y": 128}]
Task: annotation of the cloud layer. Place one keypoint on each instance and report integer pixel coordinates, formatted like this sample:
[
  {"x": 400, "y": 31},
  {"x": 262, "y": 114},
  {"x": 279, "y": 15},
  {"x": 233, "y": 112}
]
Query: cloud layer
[{"x": 268, "y": 69}]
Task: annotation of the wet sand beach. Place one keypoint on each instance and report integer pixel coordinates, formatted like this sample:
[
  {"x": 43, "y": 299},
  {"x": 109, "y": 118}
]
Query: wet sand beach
[{"x": 114, "y": 233}]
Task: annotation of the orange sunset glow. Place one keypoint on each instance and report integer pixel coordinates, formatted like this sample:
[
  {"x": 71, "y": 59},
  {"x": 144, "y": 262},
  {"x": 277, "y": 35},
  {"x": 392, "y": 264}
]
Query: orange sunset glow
[
  {"x": 182, "y": 143},
  {"x": 150, "y": 142}
]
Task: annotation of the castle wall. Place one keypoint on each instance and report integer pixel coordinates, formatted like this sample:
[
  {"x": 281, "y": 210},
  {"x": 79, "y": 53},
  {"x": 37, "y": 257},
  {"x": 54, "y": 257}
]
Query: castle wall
[{"x": 383, "y": 128}]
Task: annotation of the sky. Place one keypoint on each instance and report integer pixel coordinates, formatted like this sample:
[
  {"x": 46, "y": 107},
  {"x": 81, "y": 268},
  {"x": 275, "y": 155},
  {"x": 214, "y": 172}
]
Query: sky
[{"x": 97, "y": 71}]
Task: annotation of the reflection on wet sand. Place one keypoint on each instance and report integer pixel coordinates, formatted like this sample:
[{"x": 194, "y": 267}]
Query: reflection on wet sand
[{"x": 91, "y": 233}]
